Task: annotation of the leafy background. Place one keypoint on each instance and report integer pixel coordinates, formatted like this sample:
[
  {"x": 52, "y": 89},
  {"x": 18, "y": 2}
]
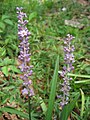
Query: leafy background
[{"x": 48, "y": 28}]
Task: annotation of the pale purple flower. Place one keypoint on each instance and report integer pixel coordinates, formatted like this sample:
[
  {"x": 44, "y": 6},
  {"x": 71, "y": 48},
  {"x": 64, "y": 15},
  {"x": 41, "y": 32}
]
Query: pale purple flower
[
  {"x": 25, "y": 91},
  {"x": 69, "y": 60},
  {"x": 24, "y": 57}
]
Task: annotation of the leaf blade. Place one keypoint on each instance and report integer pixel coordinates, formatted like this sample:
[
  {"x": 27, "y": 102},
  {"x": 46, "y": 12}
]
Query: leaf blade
[
  {"x": 83, "y": 102},
  {"x": 53, "y": 91},
  {"x": 14, "y": 111}
]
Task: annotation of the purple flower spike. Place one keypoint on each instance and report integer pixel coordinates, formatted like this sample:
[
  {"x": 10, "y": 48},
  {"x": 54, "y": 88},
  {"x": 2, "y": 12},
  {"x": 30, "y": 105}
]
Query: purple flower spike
[
  {"x": 24, "y": 57},
  {"x": 69, "y": 60}
]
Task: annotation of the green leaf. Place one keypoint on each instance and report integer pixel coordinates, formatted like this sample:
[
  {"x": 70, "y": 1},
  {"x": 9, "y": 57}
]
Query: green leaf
[
  {"x": 14, "y": 111},
  {"x": 53, "y": 91},
  {"x": 5, "y": 98},
  {"x": 85, "y": 81},
  {"x": 10, "y": 52},
  {"x": 7, "y": 61},
  {"x": 87, "y": 102},
  {"x": 3, "y": 53},
  {"x": 43, "y": 105},
  {"x": 4, "y": 17},
  {"x": 76, "y": 75},
  {"x": 68, "y": 108},
  {"x": 1, "y": 93},
  {"x": 14, "y": 69},
  {"x": 87, "y": 69},
  {"x": 2, "y": 25},
  {"x": 14, "y": 47},
  {"x": 32, "y": 16},
  {"x": 83, "y": 103},
  {"x": 34, "y": 116},
  {"x": 5, "y": 70},
  {"x": 7, "y": 41},
  {"x": 86, "y": 114},
  {"x": 9, "y": 22},
  {"x": 10, "y": 87},
  {"x": 76, "y": 116}
]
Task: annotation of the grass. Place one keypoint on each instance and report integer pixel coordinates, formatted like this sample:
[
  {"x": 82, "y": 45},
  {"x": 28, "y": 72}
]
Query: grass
[{"x": 46, "y": 23}]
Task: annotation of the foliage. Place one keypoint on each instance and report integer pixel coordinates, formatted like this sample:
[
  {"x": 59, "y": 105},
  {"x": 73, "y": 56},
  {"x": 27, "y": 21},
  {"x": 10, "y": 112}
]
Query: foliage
[
  {"x": 53, "y": 91},
  {"x": 7, "y": 38},
  {"x": 8, "y": 65},
  {"x": 47, "y": 25}
]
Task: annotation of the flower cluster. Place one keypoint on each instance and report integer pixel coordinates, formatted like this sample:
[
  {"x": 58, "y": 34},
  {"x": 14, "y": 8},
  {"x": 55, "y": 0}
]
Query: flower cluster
[
  {"x": 24, "y": 57},
  {"x": 69, "y": 60}
]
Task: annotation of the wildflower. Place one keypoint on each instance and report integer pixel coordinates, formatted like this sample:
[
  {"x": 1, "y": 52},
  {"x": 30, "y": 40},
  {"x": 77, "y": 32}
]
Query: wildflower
[
  {"x": 69, "y": 60},
  {"x": 24, "y": 57}
]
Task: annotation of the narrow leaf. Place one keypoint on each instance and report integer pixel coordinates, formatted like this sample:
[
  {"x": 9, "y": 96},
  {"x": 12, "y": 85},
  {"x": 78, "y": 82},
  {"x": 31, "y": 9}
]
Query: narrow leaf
[
  {"x": 83, "y": 103},
  {"x": 43, "y": 105},
  {"x": 3, "y": 53},
  {"x": 85, "y": 81},
  {"x": 53, "y": 91},
  {"x": 14, "y": 111},
  {"x": 76, "y": 75}
]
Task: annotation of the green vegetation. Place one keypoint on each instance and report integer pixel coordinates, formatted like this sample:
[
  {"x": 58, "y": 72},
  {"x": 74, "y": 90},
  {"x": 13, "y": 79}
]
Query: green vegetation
[{"x": 48, "y": 28}]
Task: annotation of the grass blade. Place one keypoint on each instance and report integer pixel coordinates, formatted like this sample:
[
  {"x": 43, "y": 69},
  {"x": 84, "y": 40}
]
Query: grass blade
[
  {"x": 14, "y": 111},
  {"x": 83, "y": 103},
  {"x": 53, "y": 91},
  {"x": 83, "y": 81},
  {"x": 76, "y": 75}
]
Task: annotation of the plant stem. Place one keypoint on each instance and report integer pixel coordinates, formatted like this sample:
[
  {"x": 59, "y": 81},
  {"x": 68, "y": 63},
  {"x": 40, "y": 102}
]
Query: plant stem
[{"x": 29, "y": 105}]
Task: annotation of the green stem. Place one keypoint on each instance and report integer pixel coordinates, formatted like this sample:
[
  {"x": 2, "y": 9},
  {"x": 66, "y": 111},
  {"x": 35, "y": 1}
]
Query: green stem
[{"x": 29, "y": 105}]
